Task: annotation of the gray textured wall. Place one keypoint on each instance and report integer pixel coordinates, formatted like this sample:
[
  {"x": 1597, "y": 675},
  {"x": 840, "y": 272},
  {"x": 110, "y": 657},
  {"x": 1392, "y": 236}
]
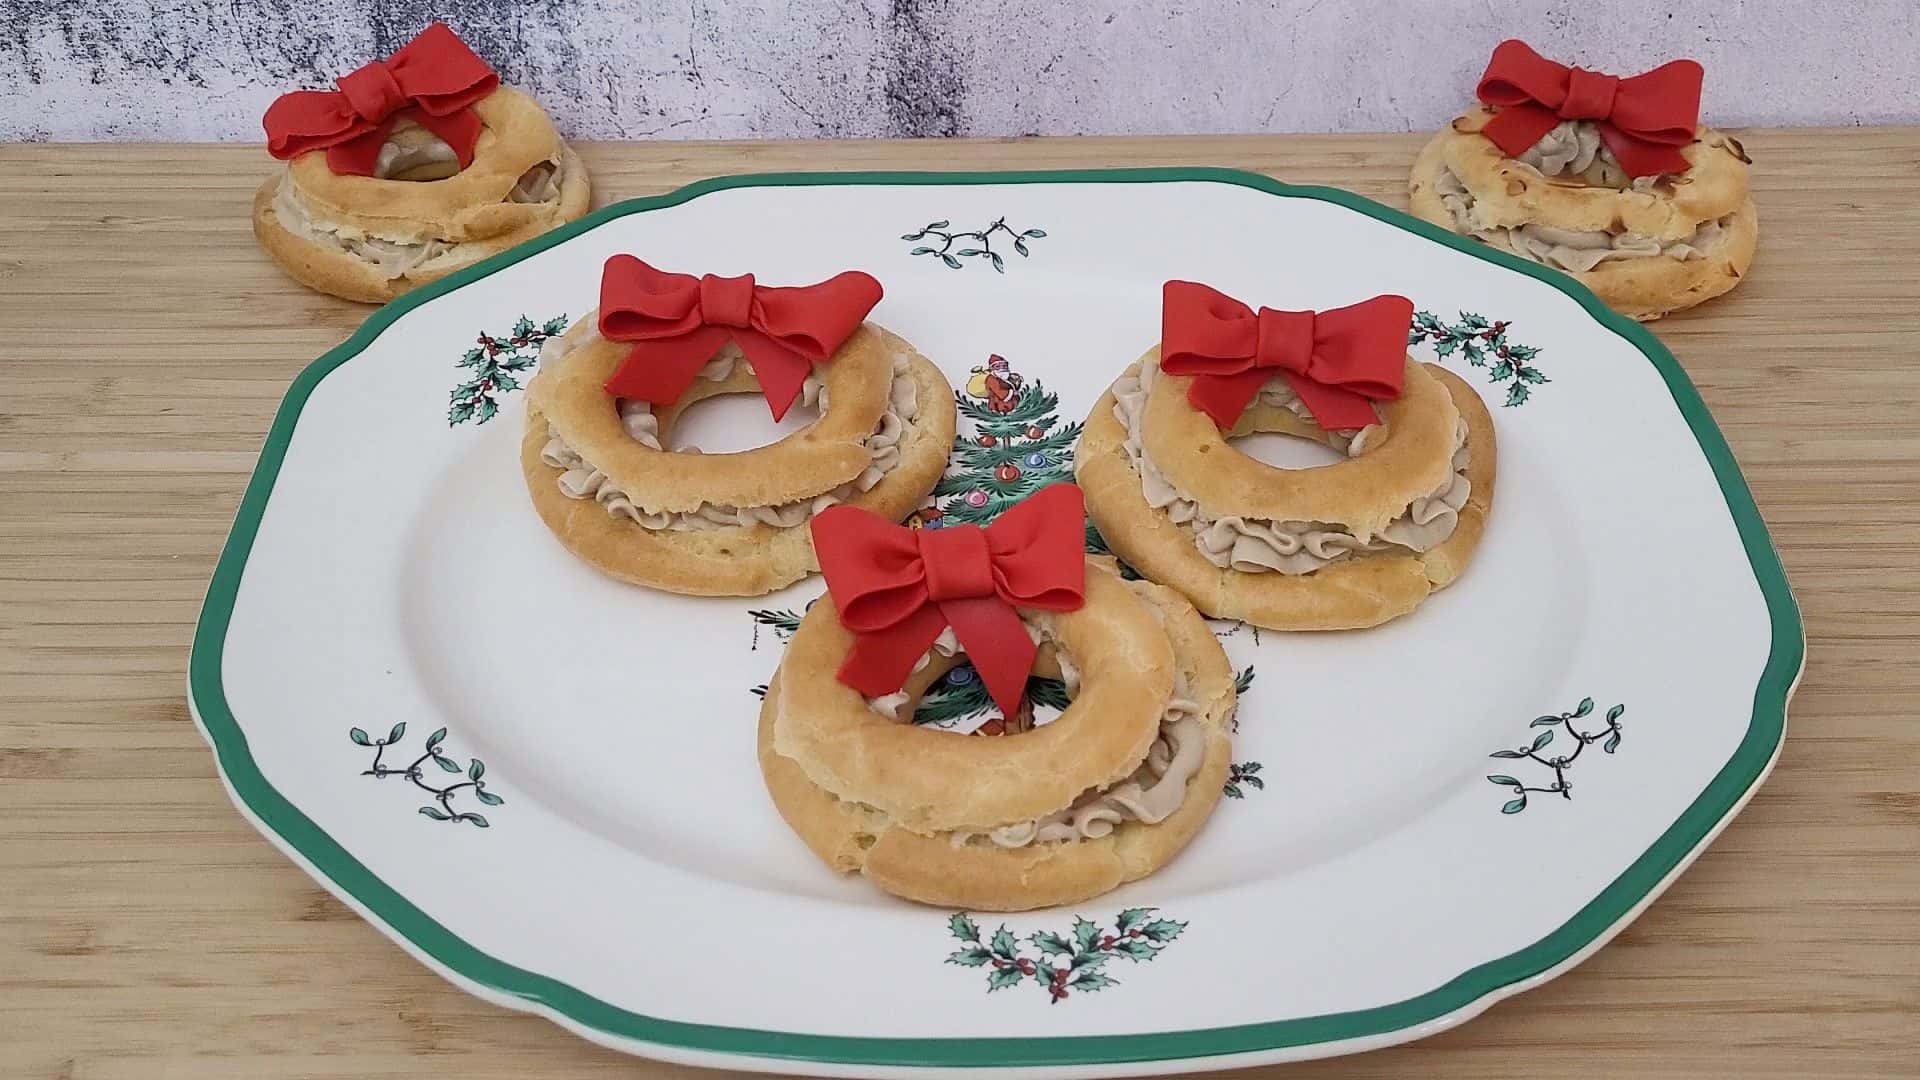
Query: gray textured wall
[{"x": 206, "y": 69}]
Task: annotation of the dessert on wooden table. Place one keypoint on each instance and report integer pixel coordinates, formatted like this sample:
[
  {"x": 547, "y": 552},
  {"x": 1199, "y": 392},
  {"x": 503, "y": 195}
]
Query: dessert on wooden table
[
  {"x": 416, "y": 166},
  {"x": 1614, "y": 181}
]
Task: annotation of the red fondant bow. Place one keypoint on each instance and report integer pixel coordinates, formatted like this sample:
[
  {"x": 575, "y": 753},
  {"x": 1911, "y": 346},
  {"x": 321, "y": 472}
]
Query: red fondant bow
[
  {"x": 1644, "y": 120},
  {"x": 897, "y": 588},
  {"x": 1338, "y": 361},
  {"x": 678, "y": 321},
  {"x": 433, "y": 80}
]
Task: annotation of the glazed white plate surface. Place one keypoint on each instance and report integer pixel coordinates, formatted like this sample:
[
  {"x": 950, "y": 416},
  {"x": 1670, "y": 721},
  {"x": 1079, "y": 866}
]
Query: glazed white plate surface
[{"x": 1367, "y": 884}]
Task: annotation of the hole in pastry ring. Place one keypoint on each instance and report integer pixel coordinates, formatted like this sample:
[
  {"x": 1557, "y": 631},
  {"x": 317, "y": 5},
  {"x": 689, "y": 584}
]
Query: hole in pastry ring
[
  {"x": 470, "y": 210},
  {"x": 1407, "y": 455},
  {"x": 931, "y": 781},
  {"x": 1364, "y": 589},
  {"x": 932, "y": 869},
  {"x": 733, "y": 560},
  {"x": 1509, "y": 192}
]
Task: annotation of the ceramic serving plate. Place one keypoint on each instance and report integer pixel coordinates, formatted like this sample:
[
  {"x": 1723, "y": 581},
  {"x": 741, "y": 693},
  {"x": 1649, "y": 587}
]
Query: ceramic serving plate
[{"x": 542, "y": 783}]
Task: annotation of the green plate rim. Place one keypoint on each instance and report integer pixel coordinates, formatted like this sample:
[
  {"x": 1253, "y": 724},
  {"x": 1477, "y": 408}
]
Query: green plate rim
[{"x": 1592, "y": 922}]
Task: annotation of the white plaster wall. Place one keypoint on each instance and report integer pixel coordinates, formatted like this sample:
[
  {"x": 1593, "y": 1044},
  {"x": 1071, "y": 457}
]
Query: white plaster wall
[{"x": 206, "y": 69}]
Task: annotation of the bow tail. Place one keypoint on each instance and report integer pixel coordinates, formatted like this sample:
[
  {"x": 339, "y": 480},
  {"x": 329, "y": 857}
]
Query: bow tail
[
  {"x": 459, "y": 130},
  {"x": 997, "y": 645},
  {"x": 1638, "y": 156},
  {"x": 659, "y": 372},
  {"x": 1515, "y": 128},
  {"x": 781, "y": 371},
  {"x": 1225, "y": 397},
  {"x": 881, "y": 661},
  {"x": 1334, "y": 408},
  {"x": 360, "y": 155}
]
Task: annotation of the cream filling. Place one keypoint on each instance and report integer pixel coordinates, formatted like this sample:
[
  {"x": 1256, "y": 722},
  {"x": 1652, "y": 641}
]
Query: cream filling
[
  {"x": 1573, "y": 149},
  {"x": 395, "y": 258},
  {"x": 1150, "y": 795},
  {"x": 580, "y": 479},
  {"x": 1569, "y": 249},
  {"x": 1257, "y": 545}
]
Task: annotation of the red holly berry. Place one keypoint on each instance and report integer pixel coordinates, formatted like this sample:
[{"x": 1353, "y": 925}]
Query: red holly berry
[
  {"x": 986, "y": 440},
  {"x": 1106, "y": 942}
]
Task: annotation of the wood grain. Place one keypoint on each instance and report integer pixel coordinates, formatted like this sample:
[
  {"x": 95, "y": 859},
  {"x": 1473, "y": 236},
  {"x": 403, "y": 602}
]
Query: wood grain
[{"x": 147, "y": 932}]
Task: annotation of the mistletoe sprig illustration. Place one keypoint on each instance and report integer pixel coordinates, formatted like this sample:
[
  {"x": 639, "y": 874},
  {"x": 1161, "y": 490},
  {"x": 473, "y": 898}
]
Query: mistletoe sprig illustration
[
  {"x": 1559, "y": 763},
  {"x": 982, "y": 243},
  {"x": 496, "y": 363},
  {"x": 1485, "y": 345},
  {"x": 1242, "y": 775},
  {"x": 415, "y": 773},
  {"x": 1062, "y": 963}
]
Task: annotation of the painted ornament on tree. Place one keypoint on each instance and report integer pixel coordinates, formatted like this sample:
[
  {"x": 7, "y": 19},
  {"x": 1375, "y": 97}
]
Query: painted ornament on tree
[
  {"x": 986, "y": 440},
  {"x": 1007, "y": 473},
  {"x": 976, "y": 498}
]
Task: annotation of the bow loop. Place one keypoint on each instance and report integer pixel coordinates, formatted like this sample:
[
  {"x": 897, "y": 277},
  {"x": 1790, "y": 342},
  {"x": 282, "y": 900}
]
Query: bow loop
[
  {"x": 1338, "y": 361},
  {"x": 434, "y": 79},
  {"x": 676, "y": 323},
  {"x": 898, "y": 589},
  {"x": 1644, "y": 120}
]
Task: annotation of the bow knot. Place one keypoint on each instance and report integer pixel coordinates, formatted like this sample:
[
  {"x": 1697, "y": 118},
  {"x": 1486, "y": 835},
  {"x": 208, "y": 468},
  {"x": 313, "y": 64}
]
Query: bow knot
[
  {"x": 958, "y": 561},
  {"x": 1589, "y": 95},
  {"x": 433, "y": 80},
  {"x": 726, "y": 301},
  {"x": 1644, "y": 119},
  {"x": 676, "y": 323},
  {"x": 372, "y": 91},
  {"x": 1339, "y": 361},
  {"x": 897, "y": 588}
]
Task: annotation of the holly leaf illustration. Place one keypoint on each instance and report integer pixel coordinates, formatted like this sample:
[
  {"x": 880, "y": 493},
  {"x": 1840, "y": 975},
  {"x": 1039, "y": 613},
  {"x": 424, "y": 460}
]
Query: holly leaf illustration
[
  {"x": 485, "y": 410},
  {"x": 523, "y": 327},
  {"x": 472, "y": 359},
  {"x": 555, "y": 325},
  {"x": 1542, "y": 739},
  {"x": 360, "y": 736},
  {"x": 1503, "y": 781},
  {"x": 434, "y": 812},
  {"x": 1090, "y": 981},
  {"x": 446, "y": 764},
  {"x": 1585, "y": 707},
  {"x": 488, "y": 797},
  {"x": 1001, "y": 978},
  {"x": 1135, "y": 950},
  {"x": 399, "y": 729},
  {"x": 1517, "y": 394},
  {"x": 436, "y": 738},
  {"x": 1003, "y": 944},
  {"x": 503, "y": 382},
  {"x": 1084, "y": 934},
  {"x": 1052, "y": 944},
  {"x": 1162, "y": 930},
  {"x": 1445, "y": 347},
  {"x": 1472, "y": 321},
  {"x": 1255, "y": 781},
  {"x": 1615, "y": 713},
  {"x": 459, "y": 413},
  {"x": 963, "y": 927},
  {"x": 976, "y": 956},
  {"x": 1130, "y": 918},
  {"x": 1531, "y": 375},
  {"x": 1515, "y": 806},
  {"x": 1232, "y": 791}
]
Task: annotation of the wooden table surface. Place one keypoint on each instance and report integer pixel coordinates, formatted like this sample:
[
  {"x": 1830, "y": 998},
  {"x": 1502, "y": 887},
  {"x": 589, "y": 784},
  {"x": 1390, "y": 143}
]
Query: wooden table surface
[{"x": 146, "y": 931}]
